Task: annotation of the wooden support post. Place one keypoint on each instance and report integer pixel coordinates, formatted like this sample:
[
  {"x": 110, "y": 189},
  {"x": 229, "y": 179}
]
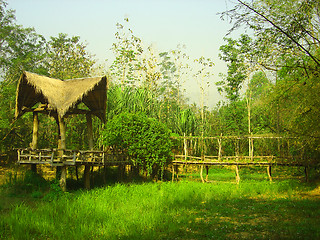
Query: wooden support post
[
  {"x": 201, "y": 173},
  {"x": 34, "y": 144},
  {"x": 86, "y": 176},
  {"x": 269, "y": 173},
  {"x": 63, "y": 177},
  {"x": 251, "y": 150},
  {"x": 202, "y": 157},
  {"x": 58, "y": 168},
  {"x": 306, "y": 172},
  {"x": 185, "y": 147},
  {"x": 104, "y": 177},
  {"x": 237, "y": 159},
  {"x": 207, "y": 173},
  {"x": 89, "y": 130},
  {"x": 237, "y": 174},
  {"x": 172, "y": 173},
  {"x": 176, "y": 170},
  {"x": 90, "y": 143},
  {"x": 220, "y": 148},
  {"x": 35, "y": 134},
  {"x": 77, "y": 173}
]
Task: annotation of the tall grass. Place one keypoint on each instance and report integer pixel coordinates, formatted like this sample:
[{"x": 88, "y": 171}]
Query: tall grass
[{"x": 180, "y": 210}]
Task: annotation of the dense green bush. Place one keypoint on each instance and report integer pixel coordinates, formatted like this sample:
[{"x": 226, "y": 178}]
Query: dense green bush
[{"x": 145, "y": 140}]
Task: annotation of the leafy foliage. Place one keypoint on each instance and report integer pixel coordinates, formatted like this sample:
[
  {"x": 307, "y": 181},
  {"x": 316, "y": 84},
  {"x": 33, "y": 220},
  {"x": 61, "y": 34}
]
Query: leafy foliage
[
  {"x": 68, "y": 58},
  {"x": 145, "y": 140},
  {"x": 234, "y": 53}
]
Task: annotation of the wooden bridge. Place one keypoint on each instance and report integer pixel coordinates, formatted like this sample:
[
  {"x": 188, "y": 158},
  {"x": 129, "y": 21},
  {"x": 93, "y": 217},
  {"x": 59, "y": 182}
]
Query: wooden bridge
[
  {"x": 209, "y": 161},
  {"x": 195, "y": 149}
]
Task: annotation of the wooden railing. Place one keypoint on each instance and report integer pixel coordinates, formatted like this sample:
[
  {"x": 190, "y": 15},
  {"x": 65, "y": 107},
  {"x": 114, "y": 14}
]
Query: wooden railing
[{"x": 60, "y": 157}]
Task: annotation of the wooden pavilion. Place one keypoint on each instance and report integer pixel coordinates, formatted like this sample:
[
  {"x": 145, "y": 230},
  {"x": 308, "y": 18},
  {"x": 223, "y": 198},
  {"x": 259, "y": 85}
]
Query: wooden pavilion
[{"x": 59, "y": 99}]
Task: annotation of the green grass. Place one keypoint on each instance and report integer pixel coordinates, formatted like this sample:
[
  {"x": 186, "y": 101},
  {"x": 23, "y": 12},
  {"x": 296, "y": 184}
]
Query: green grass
[{"x": 254, "y": 209}]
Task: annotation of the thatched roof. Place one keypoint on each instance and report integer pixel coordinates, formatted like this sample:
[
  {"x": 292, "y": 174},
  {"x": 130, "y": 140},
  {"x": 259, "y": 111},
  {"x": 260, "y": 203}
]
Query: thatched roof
[{"x": 61, "y": 96}]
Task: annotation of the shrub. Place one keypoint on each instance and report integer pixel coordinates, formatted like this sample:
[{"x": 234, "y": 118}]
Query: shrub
[{"x": 145, "y": 140}]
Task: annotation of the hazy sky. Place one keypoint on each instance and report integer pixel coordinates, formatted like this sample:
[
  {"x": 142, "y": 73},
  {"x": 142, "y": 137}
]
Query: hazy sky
[{"x": 162, "y": 23}]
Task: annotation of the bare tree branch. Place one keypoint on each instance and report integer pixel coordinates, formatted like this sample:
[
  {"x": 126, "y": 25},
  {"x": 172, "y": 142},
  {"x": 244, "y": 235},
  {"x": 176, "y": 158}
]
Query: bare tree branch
[{"x": 317, "y": 61}]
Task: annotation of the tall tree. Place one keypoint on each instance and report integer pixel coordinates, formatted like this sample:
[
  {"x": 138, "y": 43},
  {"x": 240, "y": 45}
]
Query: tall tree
[
  {"x": 20, "y": 49},
  {"x": 68, "y": 58},
  {"x": 234, "y": 53},
  {"x": 126, "y": 49},
  {"x": 281, "y": 31},
  {"x": 287, "y": 41}
]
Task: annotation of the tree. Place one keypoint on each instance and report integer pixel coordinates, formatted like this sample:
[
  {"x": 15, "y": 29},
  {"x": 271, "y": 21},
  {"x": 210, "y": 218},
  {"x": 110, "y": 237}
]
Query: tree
[
  {"x": 234, "y": 53},
  {"x": 203, "y": 76},
  {"x": 20, "y": 49},
  {"x": 286, "y": 41},
  {"x": 126, "y": 50},
  {"x": 68, "y": 58},
  {"x": 281, "y": 31},
  {"x": 257, "y": 93}
]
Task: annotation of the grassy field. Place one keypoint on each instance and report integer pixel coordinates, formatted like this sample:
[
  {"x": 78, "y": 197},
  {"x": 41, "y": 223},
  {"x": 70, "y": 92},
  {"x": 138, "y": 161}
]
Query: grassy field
[{"x": 254, "y": 209}]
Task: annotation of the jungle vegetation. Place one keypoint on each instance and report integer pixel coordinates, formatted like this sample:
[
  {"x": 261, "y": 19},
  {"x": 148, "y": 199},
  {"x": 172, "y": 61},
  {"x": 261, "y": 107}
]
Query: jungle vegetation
[
  {"x": 271, "y": 88},
  {"x": 271, "y": 85}
]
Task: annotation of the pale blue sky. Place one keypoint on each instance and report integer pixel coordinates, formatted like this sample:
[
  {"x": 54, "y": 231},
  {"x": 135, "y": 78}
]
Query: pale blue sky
[{"x": 163, "y": 23}]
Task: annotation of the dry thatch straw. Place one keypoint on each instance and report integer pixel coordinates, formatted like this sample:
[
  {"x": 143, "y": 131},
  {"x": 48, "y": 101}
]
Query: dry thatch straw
[{"x": 61, "y": 96}]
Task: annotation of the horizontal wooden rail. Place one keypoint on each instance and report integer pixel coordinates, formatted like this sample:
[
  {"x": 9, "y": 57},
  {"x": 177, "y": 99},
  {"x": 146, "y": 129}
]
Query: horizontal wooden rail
[
  {"x": 235, "y": 137},
  {"x": 237, "y": 163}
]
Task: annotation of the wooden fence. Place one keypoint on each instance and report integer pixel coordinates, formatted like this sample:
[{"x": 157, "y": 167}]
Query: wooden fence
[
  {"x": 239, "y": 151},
  {"x": 59, "y": 157}
]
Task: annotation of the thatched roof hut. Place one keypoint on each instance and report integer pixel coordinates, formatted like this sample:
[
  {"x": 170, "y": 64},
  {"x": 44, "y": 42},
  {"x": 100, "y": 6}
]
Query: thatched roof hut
[{"x": 61, "y": 97}]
